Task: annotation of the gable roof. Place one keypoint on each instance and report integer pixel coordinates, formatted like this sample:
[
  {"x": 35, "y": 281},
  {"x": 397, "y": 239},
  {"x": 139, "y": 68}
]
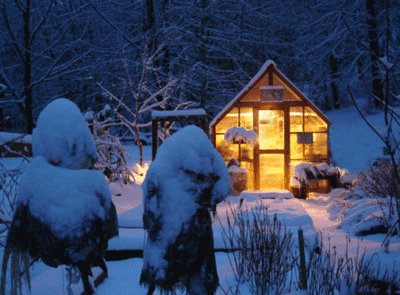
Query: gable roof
[{"x": 268, "y": 65}]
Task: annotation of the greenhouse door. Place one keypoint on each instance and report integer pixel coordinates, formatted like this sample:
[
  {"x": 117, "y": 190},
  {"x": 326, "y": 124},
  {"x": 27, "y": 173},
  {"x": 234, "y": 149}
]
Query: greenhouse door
[{"x": 270, "y": 155}]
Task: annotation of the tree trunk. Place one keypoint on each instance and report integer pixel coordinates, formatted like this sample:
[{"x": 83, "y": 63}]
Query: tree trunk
[
  {"x": 150, "y": 15},
  {"x": 334, "y": 78},
  {"x": 27, "y": 94},
  {"x": 377, "y": 87},
  {"x": 203, "y": 52}
]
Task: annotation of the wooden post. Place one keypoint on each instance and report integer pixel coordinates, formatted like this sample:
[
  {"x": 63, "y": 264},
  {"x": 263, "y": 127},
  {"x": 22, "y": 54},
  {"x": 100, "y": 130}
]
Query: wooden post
[
  {"x": 1, "y": 111},
  {"x": 1, "y": 119},
  {"x": 203, "y": 121},
  {"x": 303, "y": 273},
  {"x": 154, "y": 138}
]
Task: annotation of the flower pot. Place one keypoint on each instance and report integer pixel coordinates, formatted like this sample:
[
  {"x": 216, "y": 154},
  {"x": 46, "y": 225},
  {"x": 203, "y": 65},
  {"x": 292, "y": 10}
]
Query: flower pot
[{"x": 239, "y": 179}]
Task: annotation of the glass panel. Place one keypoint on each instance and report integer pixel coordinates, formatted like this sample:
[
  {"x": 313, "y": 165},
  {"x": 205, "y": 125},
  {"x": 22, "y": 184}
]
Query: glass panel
[
  {"x": 288, "y": 94},
  {"x": 249, "y": 166},
  {"x": 226, "y": 150},
  {"x": 246, "y": 118},
  {"x": 317, "y": 151},
  {"x": 246, "y": 152},
  {"x": 296, "y": 119},
  {"x": 272, "y": 174},
  {"x": 230, "y": 120},
  {"x": 294, "y": 163},
  {"x": 271, "y": 129},
  {"x": 296, "y": 148},
  {"x": 312, "y": 122}
]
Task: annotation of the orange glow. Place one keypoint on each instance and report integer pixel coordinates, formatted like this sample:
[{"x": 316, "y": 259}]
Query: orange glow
[
  {"x": 312, "y": 122},
  {"x": 307, "y": 140},
  {"x": 272, "y": 172},
  {"x": 271, "y": 128},
  {"x": 230, "y": 120}
]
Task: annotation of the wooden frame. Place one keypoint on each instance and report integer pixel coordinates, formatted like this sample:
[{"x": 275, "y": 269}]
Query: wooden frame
[{"x": 171, "y": 116}]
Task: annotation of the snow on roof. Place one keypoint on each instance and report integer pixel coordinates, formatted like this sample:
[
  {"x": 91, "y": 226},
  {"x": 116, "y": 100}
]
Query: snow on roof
[
  {"x": 62, "y": 198},
  {"x": 305, "y": 96},
  {"x": 177, "y": 113},
  {"x": 62, "y": 136},
  {"x": 251, "y": 84},
  {"x": 270, "y": 87}
]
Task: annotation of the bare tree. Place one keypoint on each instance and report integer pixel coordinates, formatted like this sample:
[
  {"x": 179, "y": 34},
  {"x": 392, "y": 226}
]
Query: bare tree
[
  {"x": 389, "y": 83},
  {"x": 140, "y": 97},
  {"x": 42, "y": 45}
]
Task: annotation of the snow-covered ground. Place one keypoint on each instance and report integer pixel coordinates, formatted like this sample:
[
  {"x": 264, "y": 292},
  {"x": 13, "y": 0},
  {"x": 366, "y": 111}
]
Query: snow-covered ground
[{"x": 353, "y": 146}]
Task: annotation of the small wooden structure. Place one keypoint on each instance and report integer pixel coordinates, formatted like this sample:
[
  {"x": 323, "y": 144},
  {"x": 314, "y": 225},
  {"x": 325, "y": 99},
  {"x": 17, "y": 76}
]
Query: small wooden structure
[
  {"x": 15, "y": 145},
  {"x": 170, "y": 116},
  {"x": 290, "y": 128}
]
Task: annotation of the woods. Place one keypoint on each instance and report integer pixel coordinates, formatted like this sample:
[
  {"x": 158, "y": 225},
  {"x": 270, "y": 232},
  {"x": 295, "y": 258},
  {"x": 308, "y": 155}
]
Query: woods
[{"x": 51, "y": 49}]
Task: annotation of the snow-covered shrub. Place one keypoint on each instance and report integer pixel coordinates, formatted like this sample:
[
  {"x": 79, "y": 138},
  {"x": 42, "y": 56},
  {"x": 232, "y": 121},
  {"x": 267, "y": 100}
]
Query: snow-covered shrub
[
  {"x": 70, "y": 145},
  {"x": 378, "y": 183},
  {"x": 111, "y": 155},
  {"x": 331, "y": 273},
  {"x": 262, "y": 250},
  {"x": 187, "y": 179},
  {"x": 242, "y": 135},
  {"x": 378, "y": 179}
]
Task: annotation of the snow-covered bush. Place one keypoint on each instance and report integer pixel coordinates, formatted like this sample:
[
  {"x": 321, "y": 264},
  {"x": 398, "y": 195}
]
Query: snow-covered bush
[
  {"x": 64, "y": 214},
  {"x": 187, "y": 179},
  {"x": 65, "y": 145},
  {"x": 242, "y": 135},
  {"x": 331, "y": 273},
  {"x": 377, "y": 183},
  {"x": 378, "y": 179}
]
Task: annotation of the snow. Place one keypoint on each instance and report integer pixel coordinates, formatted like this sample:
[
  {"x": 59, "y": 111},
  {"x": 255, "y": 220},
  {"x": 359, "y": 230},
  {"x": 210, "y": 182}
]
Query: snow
[
  {"x": 241, "y": 133},
  {"x": 177, "y": 113},
  {"x": 67, "y": 145},
  {"x": 270, "y": 194},
  {"x": 62, "y": 198},
  {"x": 334, "y": 216},
  {"x": 172, "y": 183},
  {"x": 236, "y": 169},
  {"x": 299, "y": 172},
  {"x": 384, "y": 60},
  {"x": 6, "y": 137},
  {"x": 270, "y": 87},
  {"x": 246, "y": 88}
]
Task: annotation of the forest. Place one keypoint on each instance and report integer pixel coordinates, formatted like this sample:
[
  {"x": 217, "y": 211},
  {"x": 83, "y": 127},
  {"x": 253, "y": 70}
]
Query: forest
[{"x": 140, "y": 55}]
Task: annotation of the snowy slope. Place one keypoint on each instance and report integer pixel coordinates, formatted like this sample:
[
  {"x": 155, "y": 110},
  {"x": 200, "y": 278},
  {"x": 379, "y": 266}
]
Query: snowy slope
[{"x": 353, "y": 144}]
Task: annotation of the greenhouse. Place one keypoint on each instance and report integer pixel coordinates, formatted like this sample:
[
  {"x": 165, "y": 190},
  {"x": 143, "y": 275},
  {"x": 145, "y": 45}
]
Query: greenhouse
[{"x": 290, "y": 130}]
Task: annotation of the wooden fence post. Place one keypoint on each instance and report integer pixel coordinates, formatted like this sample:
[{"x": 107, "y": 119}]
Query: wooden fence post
[{"x": 303, "y": 273}]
